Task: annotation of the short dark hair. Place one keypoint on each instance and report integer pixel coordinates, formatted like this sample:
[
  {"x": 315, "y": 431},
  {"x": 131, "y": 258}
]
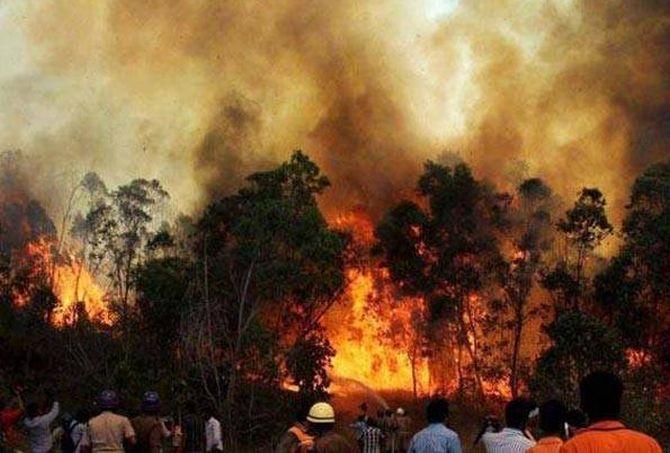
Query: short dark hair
[
  {"x": 32, "y": 409},
  {"x": 576, "y": 418},
  {"x": 600, "y": 394},
  {"x": 517, "y": 412},
  {"x": 437, "y": 410},
  {"x": 552, "y": 417}
]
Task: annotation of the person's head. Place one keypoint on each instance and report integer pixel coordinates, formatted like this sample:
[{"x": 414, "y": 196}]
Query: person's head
[
  {"x": 517, "y": 412},
  {"x": 575, "y": 418},
  {"x": 321, "y": 418},
  {"x": 151, "y": 403},
  {"x": 211, "y": 411},
  {"x": 437, "y": 410},
  {"x": 552, "y": 417},
  {"x": 66, "y": 420},
  {"x": 32, "y": 409},
  {"x": 600, "y": 394},
  {"x": 400, "y": 411},
  {"x": 82, "y": 415},
  {"x": 363, "y": 407},
  {"x": 190, "y": 407},
  {"x": 108, "y": 400}
]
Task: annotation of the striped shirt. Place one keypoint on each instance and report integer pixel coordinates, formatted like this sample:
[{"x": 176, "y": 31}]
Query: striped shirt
[
  {"x": 436, "y": 438},
  {"x": 372, "y": 440},
  {"x": 509, "y": 440}
]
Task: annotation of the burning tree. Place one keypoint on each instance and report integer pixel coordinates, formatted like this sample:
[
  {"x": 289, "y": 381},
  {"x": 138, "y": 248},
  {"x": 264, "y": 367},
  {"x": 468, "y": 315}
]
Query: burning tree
[
  {"x": 529, "y": 234},
  {"x": 444, "y": 249}
]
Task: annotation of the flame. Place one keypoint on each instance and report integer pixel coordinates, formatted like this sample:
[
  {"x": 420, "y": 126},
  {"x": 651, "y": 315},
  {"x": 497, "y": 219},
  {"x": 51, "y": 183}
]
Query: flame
[
  {"x": 70, "y": 281},
  {"x": 356, "y": 332}
]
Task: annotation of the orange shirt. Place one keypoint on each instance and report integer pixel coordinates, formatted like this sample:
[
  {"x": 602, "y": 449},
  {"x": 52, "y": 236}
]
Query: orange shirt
[
  {"x": 547, "y": 445},
  {"x": 610, "y": 437}
]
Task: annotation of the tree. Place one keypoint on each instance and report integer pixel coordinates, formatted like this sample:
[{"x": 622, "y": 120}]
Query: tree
[
  {"x": 267, "y": 269},
  {"x": 161, "y": 286},
  {"x": 581, "y": 344},
  {"x": 584, "y": 227},
  {"x": 446, "y": 253},
  {"x": 116, "y": 229},
  {"x": 531, "y": 222},
  {"x": 634, "y": 290}
]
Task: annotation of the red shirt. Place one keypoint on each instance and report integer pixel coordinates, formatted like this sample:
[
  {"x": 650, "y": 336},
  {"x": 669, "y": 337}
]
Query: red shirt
[
  {"x": 610, "y": 437},
  {"x": 9, "y": 418}
]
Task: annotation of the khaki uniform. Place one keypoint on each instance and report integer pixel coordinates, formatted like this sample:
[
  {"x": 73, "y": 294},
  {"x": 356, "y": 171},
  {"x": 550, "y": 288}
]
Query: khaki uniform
[{"x": 107, "y": 432}]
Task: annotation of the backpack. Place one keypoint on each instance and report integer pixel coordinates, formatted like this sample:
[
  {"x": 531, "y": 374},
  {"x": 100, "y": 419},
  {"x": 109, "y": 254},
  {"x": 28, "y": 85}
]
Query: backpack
[{"x": 67, "y": 445}]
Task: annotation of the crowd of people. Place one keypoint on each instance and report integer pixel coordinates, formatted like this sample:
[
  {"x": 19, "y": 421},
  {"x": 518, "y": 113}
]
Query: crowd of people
[{"x": 547, "y": 428}]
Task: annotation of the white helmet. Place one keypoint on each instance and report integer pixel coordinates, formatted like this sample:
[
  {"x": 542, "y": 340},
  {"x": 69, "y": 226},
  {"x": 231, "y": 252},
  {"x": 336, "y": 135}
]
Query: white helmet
[
  {"x": 321, "y": 413},
  {"x": 400, "y": 411}
]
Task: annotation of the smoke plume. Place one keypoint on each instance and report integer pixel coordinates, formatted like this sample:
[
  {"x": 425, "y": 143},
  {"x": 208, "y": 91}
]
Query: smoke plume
[{"x": 198, "y": 93}]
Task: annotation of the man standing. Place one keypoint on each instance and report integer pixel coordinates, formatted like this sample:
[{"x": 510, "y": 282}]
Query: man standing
[
  {"x": 10, "y": 415},
  {"x": 108, "y": 432},
  {"x": 321, "y": 419},
  {"x": 194, "y": 434},
  {"x": 600, "y": 393},
  {"x": 552, "y": 425},
  {"x": 402, "y": 425},
  {"x": 149, "y": 429},
  {"x": 436, "y": 437},
  {"x": 213, "y": 436},
  {"x": 512, "y": 438},
  {"x": 372, "y": 438},
  {"x": 297, "y": 439},
  {"x": 38, "y": 426}
]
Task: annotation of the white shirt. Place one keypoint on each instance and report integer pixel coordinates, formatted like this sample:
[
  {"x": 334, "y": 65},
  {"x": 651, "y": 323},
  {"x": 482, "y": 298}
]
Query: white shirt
[
  {"x": 77, "y": 435},
  {"x": 213, "y": 435},
  {"x": 39, "y": 434},
  {"x": 509, "y": 440}
]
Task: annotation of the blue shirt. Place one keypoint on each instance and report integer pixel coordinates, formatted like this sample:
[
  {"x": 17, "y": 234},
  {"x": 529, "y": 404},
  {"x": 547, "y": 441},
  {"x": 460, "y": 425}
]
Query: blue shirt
[{"x": 436, "y": 438}]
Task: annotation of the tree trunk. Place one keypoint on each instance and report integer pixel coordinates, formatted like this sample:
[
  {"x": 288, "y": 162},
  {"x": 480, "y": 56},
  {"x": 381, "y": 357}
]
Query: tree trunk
[{"x": 514, "y": 372}]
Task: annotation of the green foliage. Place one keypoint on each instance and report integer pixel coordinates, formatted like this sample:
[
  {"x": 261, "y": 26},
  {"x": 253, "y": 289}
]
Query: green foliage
[
  {"x": 161, "y": 290},
  {"x": 267, "y": 268},
  {"x": 307, "y": 363},
  {"x": 580, "y": 344}
]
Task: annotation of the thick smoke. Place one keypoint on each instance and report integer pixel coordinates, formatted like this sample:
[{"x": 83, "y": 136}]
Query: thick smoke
[{"x": 200, "y": 92}]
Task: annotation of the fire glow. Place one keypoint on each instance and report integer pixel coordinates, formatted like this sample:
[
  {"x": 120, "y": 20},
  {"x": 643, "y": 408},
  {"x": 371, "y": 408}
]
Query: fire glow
[{"x": 70, "y": 282}]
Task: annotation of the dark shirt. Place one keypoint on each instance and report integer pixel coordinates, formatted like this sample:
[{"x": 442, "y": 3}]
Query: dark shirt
[
  {"x": 149, "y": 434},
  {"x": 194, "y": 433},
  {"x": 334, "y": 443}
]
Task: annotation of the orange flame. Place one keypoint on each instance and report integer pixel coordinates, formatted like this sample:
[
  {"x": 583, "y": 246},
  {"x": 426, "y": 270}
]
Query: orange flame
[
  {"x": 356, "y": 333},
  {"x": 70, "y": 282}
]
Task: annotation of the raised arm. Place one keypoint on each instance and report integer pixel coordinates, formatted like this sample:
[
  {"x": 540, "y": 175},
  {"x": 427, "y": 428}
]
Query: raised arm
[{"x": 49, "y": 417}]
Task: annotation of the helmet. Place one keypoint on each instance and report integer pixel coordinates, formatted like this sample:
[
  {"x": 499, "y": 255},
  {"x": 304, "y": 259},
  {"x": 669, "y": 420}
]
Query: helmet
[
  {"x": 151, "y": 402},
  {"x": 321, "y": 413},
  {"x": 400, "y": 411},
  {"x": 108, "y": 399}
]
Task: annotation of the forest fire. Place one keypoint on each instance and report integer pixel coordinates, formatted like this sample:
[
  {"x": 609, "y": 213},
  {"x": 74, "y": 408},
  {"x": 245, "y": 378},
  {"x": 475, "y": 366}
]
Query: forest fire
[
  {"x": 41, "y": 262},
  {"x": 374, "y": 344},
  {"x": 70, "y": 283},
  {"x": 360, "y": 337}
]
